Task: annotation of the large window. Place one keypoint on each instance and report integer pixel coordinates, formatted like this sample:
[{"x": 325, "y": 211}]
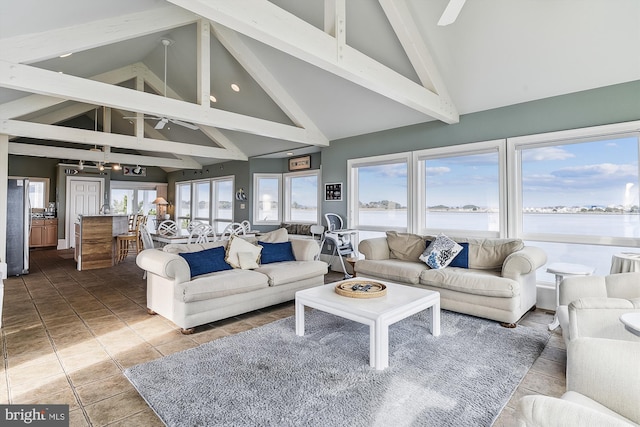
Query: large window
[
  {"x": 135, "y": 197},
  {"x": 267, "y": 196},
  {"x": 209, "y": 201},
  {"x": 39, "y": 193},
  {"x": 459, "y": 189},
  {"x": 379, "y": 193},
  {"x": 301, "y": 197}
]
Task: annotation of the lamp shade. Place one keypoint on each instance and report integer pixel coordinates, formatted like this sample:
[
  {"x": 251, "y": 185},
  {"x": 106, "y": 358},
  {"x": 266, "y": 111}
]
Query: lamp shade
[{"x": 160, "y": 201}]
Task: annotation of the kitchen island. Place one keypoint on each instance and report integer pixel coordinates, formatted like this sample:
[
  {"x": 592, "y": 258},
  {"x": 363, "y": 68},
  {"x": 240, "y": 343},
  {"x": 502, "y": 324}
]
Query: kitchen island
[{"x": 95, "y": 239}]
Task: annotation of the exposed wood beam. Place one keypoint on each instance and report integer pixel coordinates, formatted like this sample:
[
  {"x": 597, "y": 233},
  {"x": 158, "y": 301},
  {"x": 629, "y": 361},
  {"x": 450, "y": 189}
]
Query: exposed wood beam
[
  {"x": 32, "y": 79},
  {"x": 35, "y": 150},
  {"x": 36, "y": 47},
  {"x": 88, "y": 137},
  {"x": 261, "y": 74},
  {"x": 32, "y": 103},
  {"x": 412, "y": 41},
  {"x": 271, "y": 25},
  {"x": 203, "y": 41}
]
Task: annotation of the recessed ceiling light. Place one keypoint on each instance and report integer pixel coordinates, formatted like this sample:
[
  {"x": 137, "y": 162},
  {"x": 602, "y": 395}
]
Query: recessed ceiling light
[
  {"x": 289, "y": 153},
  {"x": 66, "y": 55},
  {"x": 235, "y": 87},
  {"x": 212, "y": 98}
]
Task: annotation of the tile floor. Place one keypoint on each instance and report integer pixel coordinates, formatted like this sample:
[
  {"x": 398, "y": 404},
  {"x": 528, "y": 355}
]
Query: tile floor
[{"x": 68, "y": 335}]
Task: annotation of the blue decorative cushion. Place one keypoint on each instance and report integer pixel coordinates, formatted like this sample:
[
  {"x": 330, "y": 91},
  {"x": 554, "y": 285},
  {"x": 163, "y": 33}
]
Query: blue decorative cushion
[
  {"x": 462, "y": 259},
  {"x": 276, "y": 252},
  {"x": 440, "y": 252},
  {"x": 206, "y": 261}
]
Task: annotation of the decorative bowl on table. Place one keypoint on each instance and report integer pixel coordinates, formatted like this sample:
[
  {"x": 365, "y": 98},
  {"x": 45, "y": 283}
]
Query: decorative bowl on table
[{"x": 361, "y": 289}]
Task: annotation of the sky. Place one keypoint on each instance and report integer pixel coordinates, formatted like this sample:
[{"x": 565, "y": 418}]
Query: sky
[{"x": 603, "y": 172}]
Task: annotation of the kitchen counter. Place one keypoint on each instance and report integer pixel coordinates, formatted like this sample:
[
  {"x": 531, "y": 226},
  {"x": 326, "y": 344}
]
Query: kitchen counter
[{"x": 95, "y": 239}]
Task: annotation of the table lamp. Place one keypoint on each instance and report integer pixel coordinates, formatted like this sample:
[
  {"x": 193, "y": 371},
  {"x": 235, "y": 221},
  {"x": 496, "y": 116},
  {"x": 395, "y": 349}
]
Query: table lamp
[{"x": 162, "y": 207}]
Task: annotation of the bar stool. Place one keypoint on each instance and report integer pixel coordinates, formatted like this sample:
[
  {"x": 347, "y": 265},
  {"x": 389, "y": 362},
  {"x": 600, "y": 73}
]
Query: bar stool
[{"x": 125, "y": 241}]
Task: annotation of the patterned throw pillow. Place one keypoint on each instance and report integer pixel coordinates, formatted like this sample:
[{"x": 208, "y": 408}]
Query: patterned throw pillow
[
  {"x": 440, "y": 252},
  {"x": 238, "y": 244}
]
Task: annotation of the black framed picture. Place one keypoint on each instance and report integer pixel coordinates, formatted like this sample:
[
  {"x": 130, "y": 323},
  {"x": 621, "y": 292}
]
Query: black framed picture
[
  {"x": 299, "y": 163},
  {"x": 333, "y": 191}
]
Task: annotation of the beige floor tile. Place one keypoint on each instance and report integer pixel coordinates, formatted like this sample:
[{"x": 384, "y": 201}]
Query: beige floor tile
[
  {"x": 146, "y": 418},
  {"x": 62, "y": 397},
  {"x": 95, "y": 372},
  {"x": 40, "y": 387},
  {"x": 115, "y": 408},
  {"x": 35, "y": 371},
  {"x": 507, "y": 418},
  {"x": 138, "y": 354},
  {"x": 209, "y": 335},
  {"x": 544, "y": 384},
  {"x": 104, "y": 388},
  {"x": 74, "y": 362},
  {"x": 77, "y": 418},
  {"x": 176, "y": 346},
  {"x": 549, "y": 367}
]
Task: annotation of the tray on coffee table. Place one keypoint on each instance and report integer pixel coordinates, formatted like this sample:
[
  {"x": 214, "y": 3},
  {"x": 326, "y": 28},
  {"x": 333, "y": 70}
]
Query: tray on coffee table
[{"x": 361, "y": 289}]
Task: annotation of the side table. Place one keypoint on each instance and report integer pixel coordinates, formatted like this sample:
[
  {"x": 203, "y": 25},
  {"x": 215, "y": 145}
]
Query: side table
[
  {"x": 560, "y": 270},
  {"x": 625, "y": 262}
]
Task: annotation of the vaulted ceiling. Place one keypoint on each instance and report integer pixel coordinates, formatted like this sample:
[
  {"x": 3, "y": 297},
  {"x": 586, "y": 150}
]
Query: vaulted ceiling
[{"x": 308, "y": 72}]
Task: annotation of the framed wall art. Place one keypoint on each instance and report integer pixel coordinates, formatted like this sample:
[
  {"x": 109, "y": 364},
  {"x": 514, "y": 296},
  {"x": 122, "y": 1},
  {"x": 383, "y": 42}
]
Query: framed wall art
[
  {"x": 333, "y": 192},
  {"x": 299, "y": 163}
]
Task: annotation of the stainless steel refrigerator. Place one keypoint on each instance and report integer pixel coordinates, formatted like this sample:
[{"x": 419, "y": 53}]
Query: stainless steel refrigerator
[{"x": 18, "y": 226}]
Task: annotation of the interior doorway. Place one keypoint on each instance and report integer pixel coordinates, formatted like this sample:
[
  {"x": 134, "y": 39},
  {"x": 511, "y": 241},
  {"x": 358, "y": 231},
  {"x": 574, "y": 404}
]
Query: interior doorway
[{"x": 84, "y": 196}]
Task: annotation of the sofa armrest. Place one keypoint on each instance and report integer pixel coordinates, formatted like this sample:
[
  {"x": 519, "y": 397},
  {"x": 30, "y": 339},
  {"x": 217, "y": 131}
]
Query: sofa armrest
[
  {"x": 606, "y": 371},
  {"x": 525, "y": 261},
  {"x": 600, "y": 318},
  {"x": 170, "y": 266},
  {"x": 376, "y": 248},
  {"x": 304, "y": 249},
  {"x": 546, "y": 411}
]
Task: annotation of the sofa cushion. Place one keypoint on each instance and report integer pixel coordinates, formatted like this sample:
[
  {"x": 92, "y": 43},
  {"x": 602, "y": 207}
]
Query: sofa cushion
[
  {"x": 489, "y": 253},
  {"x": 477, "y": 282},
  {"x": 405, "y": 246},
  {"x": 220, "y": 284},
  {"x": 276, "y": 236},
  {"x": 281, "y": 273},
  {"x": 392, "y": 269},
  {"x": 276, "y": 252},
  {"x": 206, "y": 261},
  {"x": 462, "y": 259},
  {"x": 176, "y": 248},
  {"x": 238, "y": 244},
  {"x": 440, "y": 252}
]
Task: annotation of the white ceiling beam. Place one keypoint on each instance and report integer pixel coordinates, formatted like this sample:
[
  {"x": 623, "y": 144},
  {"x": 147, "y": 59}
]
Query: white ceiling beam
[
  {"x": 66, "y": 113},
  {"x": 261, "y": 74},
  {"x": 32, "y": 103},
  {"x": 408, "y": 33},
  {"x": 44, "y": 82},
  {"x": 36, "y": 47},
  {"x": 88, "y": 137},
  {"x": 203, "y": 66},
  {"x": 273, "y": 26},
  {"x": 335, "y": 23},
  {"x": 35, "y": 150}
]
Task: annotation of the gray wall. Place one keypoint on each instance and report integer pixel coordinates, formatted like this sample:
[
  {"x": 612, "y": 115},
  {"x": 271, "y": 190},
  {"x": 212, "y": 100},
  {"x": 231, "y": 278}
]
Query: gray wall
[{"x": 612, "y": 104}]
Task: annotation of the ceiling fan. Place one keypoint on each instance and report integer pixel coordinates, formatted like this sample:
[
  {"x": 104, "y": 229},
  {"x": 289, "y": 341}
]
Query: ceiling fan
[
  {"x": 451, "y": 12},
  {"x": 163, "y": 121}
]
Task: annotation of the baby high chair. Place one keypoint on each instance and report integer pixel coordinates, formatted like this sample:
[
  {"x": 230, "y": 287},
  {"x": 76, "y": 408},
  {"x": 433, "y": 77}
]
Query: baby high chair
[{"x": 342, "y": 239}]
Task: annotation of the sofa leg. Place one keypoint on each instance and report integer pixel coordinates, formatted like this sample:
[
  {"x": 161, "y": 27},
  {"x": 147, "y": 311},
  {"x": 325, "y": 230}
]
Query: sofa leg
[
  {"x": 187, "y": 331},
  {"x": 151, "y": 312},
  {"x": 508, "y": 325}
]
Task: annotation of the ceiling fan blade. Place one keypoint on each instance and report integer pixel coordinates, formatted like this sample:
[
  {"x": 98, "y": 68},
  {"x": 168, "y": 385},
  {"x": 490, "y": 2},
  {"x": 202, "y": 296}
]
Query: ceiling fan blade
[
  {"x": 451, "y": 12},
  {"x": 160, "y": 124},
  {"x": 185, "y": 124}
]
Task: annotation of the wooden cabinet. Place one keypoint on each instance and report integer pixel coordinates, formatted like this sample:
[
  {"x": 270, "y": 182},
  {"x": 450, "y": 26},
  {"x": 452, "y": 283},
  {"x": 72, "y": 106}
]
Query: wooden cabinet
[{"x": 44, "y": 232}]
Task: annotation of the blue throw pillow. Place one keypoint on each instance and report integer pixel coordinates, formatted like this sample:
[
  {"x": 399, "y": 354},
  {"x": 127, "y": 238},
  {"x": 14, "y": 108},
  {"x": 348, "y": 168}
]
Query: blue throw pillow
[
  {"x": 206, "y": 261},
  {"x": 276, "y": 252},
  {"x": 462, "y": 259}
]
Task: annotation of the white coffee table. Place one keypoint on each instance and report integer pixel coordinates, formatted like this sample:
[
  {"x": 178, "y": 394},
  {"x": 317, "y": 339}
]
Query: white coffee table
[{"x": 399, "y": 303}]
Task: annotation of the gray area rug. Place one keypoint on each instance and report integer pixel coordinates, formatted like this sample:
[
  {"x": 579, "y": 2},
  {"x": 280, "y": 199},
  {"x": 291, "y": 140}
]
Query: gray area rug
[{"x": 268, "y": 376}]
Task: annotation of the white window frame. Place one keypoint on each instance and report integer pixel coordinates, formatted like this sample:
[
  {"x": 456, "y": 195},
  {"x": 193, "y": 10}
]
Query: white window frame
[
  {"x": 256, "y": 198},
  {"x": 353, "y": 189},
  {"x": 475, "y": 148},
  {"x": 160, "y": 187},
  {"x": 213, "y": 200},
  {"x": 514, "y": 151},
  {"x": 45, "y": 182},
  {"x": 287, "y": 195}
]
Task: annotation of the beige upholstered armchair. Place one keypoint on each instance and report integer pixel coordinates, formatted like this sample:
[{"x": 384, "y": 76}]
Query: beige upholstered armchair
[{"x": 617, "y": 293}]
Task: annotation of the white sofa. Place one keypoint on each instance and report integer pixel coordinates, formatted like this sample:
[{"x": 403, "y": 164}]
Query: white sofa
[
  {"x": 618, "y": 293},
  {"x": 191, "y": 301},
  {"x": 499, "y": 282},
  {"x": 603, "y": 374}
]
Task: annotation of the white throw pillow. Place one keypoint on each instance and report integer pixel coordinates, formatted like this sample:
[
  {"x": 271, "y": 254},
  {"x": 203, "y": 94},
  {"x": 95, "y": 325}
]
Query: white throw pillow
[
  {"x": 247, "y": 260},
  {"x": 237, "y": 245},
  {"x": 276, "y": 236},
  {"x": 440, "y": 252}
]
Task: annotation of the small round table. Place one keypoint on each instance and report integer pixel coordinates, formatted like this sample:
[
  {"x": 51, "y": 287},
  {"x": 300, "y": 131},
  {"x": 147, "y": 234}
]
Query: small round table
[{"x": 560, "y": 270}]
